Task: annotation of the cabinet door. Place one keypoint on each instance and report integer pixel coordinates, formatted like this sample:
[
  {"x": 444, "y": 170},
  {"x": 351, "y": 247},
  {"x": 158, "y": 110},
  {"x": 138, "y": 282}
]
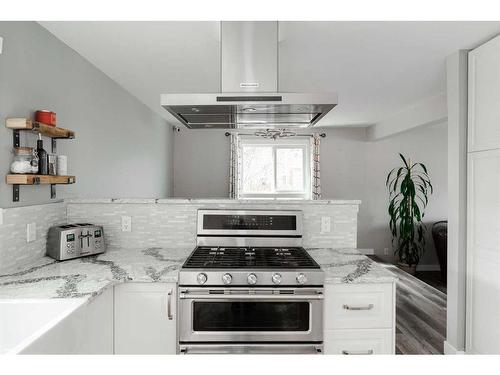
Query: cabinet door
[
  {"x": 484, "y": 97},
  {"x": 483, "y": 253},
  {"x": 145, "y": 318},
  {"x": 359, "y": 341},
  {"x": 359, "y": 306}
]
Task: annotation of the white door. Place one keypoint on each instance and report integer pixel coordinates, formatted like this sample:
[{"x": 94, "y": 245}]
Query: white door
[
  {"x": 483, "y": 201},
  {"x": 145, "y": 318}
]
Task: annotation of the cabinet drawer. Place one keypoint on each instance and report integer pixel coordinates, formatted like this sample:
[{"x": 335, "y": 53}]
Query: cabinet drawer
[
  {"x": 359, "y": 342},
  {"x": 359, "y": 306}
]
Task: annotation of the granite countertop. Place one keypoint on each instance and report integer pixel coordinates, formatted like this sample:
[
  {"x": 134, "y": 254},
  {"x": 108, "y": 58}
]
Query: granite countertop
[
  {"x": 227, "y": 201},
  {"x": 344, "y": 266},
  {"x": 88, "y": 277}
]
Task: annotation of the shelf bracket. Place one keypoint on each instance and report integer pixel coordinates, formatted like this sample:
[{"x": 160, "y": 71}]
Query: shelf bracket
[
  {"x": 15, "y": 193},
  {"x": 52, "y": 191},
  {"x": 16, "y": 141},
  {"x": 54, "y": 146}
]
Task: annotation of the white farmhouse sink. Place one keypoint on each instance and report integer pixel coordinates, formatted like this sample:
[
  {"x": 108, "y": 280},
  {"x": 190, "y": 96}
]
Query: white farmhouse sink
[{"x": 24, "y": 320}]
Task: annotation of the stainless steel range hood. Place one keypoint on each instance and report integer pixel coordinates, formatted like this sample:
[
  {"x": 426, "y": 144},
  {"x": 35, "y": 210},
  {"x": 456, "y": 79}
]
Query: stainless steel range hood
[{"x": 249, "y": 96}]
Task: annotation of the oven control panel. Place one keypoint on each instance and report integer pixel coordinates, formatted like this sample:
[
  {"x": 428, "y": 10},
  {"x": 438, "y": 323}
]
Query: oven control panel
[
  {"x": 253, "y": 222},
  {"x": 250, "y": 222},
  {"x": 256, "y": 278}
]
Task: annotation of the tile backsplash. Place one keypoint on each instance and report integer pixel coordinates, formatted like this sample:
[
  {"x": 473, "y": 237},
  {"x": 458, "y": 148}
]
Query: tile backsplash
[
  {"x": 15, "y": 251},
  {"x": 173, "y": 224},
  {"x": 166, "y": 223}
]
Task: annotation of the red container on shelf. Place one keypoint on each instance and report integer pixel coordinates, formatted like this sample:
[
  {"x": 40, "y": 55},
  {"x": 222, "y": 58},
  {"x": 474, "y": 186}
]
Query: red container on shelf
[{"x": 46, "y": 117}]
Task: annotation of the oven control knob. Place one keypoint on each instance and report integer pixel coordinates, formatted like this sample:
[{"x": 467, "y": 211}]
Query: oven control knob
[
  {"x": 201, "y": 278},
  {"x": 227, "y": 278},
  {"x": 301, "y": 278},
  {"x": 252, "y": 279},
  {"x": 276, "y": 278}
]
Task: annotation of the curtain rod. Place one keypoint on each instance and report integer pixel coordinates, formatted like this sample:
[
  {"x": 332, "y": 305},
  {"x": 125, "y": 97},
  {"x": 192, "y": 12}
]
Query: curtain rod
[{"x": 322, "y": 135}]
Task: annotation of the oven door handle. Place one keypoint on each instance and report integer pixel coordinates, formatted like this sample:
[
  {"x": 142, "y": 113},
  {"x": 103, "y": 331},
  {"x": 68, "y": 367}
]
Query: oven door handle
[{"x": 266, "y": 297}]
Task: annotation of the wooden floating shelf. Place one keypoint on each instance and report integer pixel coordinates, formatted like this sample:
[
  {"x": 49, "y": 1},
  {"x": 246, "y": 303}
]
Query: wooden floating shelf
[
  {"x": 38, "y": 127},
  {"x": 38, "y": 179}
]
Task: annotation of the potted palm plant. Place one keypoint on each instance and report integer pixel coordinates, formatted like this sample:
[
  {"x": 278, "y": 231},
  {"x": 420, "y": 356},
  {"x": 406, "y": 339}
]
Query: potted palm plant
[{"x": 409, "y": 187}]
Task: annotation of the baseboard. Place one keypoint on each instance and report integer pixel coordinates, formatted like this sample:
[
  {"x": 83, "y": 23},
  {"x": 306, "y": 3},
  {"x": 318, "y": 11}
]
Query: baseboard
[
  {"x": 428, "y": 267},
  {"x": 367, "y": 251},
  {"x": 451, "y": 350}
]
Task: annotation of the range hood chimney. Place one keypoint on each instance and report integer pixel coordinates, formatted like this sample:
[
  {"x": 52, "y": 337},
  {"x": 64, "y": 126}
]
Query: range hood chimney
[{"x": 249, "y": 94}]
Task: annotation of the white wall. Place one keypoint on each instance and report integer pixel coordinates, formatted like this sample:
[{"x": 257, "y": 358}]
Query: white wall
[
  {"x": 457, "y": 201},
  {"x": 122, "y": 148},
  {"x": 351, "y": 168}
]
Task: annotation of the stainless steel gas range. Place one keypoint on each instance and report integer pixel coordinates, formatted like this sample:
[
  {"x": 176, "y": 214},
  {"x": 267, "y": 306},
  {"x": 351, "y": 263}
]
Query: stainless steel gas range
[{"x": 250, "y": 287}]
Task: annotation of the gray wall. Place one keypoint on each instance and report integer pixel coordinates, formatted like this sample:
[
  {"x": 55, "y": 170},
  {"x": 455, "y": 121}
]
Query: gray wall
[
  {"x": 122, "y": 148},
  {"x": 201, "y": 163},
  {"x": 426, "y": 144},
  {"x": 351, "y": 168}
]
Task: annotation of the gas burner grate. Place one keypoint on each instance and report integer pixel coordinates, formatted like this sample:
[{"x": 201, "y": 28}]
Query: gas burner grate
[{"x": 250, "y": 257}]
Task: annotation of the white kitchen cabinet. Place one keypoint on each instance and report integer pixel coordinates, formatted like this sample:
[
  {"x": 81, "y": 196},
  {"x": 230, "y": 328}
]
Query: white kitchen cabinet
[
  {"x": 358, "y": 306},
  {"x": 483, "y": 200},
  {"x": 484, "y": 97},
  {"x": 87, "y": 330},
  {"x": 145, "y": 318},
  {"x": 483, "y": 253},
  {"x": 360, "y": 318},
  {"x": 359, "y": 341}
]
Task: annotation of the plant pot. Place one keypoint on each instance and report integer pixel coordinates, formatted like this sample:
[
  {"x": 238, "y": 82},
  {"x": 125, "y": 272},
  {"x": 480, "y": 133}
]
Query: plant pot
[{"x": 412, "y": 270}]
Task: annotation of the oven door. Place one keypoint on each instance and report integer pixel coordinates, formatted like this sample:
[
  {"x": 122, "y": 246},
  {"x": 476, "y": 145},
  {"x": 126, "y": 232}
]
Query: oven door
[{"x": 250, "y": 315}]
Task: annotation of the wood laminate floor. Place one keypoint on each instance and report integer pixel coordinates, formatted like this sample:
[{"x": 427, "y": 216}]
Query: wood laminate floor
[
  {"x": 433, "y": 278},
  {"x": 420, "y": 315}
]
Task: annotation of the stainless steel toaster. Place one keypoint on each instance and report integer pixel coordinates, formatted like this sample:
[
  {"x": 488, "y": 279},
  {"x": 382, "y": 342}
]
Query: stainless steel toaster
[{"x": 75, "y": 240}]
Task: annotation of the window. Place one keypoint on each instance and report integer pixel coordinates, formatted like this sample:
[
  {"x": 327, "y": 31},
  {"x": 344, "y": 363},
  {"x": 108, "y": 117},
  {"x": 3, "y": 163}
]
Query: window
[{"x": 275, "y": 168}]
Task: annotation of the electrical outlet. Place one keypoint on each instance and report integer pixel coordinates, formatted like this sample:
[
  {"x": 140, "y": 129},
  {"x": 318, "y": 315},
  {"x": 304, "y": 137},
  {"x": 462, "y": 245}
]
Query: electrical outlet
[
  {"x": 126, "y": 224},
  {"x": 31, "y": 232},
  {"x": 326, "y": 224},
  {"x": 386, "y": 251}
]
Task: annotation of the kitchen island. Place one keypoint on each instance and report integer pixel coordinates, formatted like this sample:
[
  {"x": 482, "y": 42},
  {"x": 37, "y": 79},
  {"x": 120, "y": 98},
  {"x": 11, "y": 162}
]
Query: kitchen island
[{"x": 88, "y": 277}]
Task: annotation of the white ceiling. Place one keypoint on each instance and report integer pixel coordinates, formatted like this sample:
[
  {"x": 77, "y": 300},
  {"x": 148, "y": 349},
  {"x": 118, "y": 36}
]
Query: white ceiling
[{"x": 377, "y": 68}]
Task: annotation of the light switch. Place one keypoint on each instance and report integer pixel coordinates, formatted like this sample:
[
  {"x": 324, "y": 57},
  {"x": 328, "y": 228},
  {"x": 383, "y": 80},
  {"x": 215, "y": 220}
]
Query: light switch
[
  {"x": 31, "y": 232},
  {"x": 126, "y": 224},
  {"x": 1, "y": 216},
  {"x": 326, "y": 224},
  {"x": 1, "y": 45}
]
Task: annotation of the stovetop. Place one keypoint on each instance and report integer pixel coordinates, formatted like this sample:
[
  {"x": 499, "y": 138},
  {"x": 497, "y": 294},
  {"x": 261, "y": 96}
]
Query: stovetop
[{"x": 250, "y": 258}]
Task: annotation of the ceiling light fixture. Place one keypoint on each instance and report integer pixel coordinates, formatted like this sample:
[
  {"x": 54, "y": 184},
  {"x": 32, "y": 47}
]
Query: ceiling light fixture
[{"x": 275, "y": 133}]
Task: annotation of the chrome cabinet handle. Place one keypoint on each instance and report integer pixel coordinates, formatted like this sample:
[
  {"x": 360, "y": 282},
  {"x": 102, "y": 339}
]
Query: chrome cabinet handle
[
  {"x": 169, "y": 305},
  {"x": 357, "y": 308},
  {"x": 357, "y": 352}
]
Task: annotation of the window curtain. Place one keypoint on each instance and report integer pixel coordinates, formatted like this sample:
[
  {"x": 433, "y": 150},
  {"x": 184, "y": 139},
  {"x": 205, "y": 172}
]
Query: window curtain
[
  {"x": 315, "y": 167},
  {"x": 234, "y": 167}
]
